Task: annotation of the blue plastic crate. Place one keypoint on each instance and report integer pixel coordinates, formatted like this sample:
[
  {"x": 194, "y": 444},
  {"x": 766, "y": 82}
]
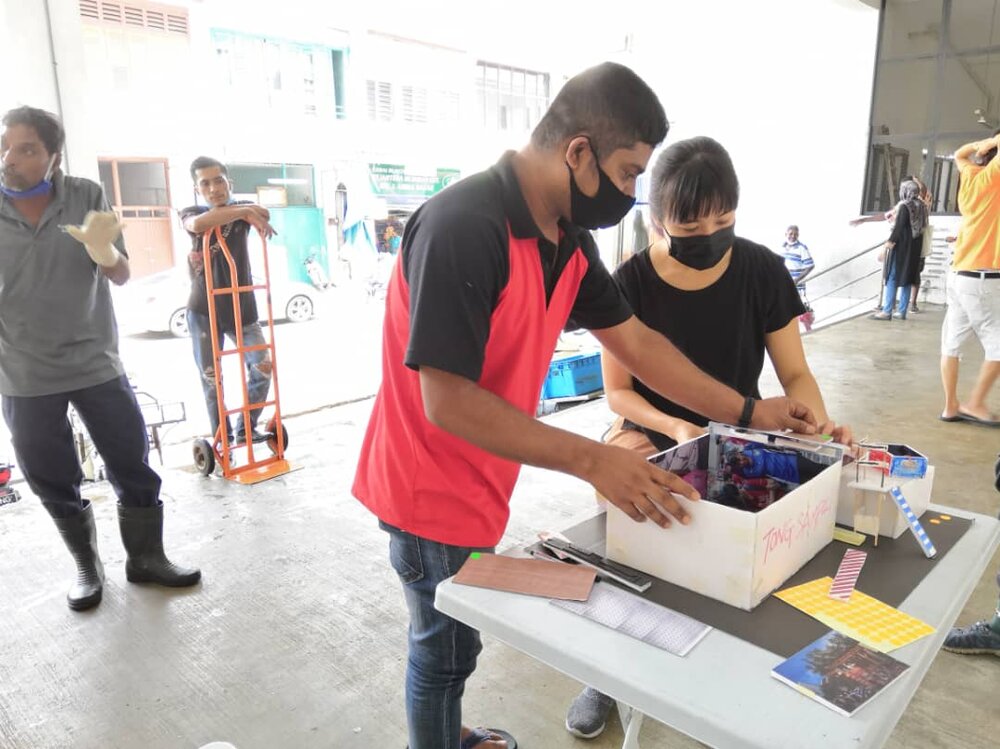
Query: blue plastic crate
[{"x": 577, "y": 374}]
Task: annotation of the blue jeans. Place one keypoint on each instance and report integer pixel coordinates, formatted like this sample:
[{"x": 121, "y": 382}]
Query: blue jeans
[
  {"x": 890, "y": 294},
  {"x": 442, "y": 651},
  {"x": 259, "y": 379},
  {"x": 43, "y": 445}
]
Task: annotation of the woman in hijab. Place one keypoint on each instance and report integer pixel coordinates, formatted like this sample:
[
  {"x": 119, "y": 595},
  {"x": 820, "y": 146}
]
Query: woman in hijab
[{"x": 903, "y": 249}]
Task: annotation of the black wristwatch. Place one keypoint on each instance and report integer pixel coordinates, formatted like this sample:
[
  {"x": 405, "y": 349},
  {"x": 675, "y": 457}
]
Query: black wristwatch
[{"x": 747, "y": 414}]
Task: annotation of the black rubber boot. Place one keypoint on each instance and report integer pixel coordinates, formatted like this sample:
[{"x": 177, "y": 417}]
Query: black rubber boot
[
  {"x": 142, "y": 535},
  {"x": 80, "y": 536}
]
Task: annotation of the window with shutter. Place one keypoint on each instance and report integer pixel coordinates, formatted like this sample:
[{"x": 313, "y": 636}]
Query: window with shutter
[
  {"x": 511, "y": 98},
  {"x": 380, "y": 103},
  {"x": 167, "y": 19},
  {"x": 414, "y": 104}
]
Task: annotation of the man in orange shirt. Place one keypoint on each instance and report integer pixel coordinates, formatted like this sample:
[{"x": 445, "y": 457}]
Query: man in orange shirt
[{"x": 974, "y": 283}]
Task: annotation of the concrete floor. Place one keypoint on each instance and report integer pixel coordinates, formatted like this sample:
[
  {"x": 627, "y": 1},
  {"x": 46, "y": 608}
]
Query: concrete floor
[{"x": 296, "y": 638}]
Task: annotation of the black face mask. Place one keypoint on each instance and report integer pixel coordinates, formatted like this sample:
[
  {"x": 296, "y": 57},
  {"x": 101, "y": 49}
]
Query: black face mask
[
  {"x": 703, "y": 251},
  {"x": 606, "y": 208}
]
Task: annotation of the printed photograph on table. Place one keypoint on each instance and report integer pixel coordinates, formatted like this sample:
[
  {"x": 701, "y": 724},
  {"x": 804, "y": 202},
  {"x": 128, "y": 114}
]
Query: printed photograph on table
[{"x": 839, "y": 672}]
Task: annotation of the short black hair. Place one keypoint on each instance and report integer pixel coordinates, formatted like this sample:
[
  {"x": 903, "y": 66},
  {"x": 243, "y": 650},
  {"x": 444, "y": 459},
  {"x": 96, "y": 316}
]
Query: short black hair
[
  {"x": 792, "y": 226},
  {"x": 610, "y": 104},
  {"x": 204, "y": 162},
  {"x": 693, "y": 178},
  {"x": 50, "y": 130}
]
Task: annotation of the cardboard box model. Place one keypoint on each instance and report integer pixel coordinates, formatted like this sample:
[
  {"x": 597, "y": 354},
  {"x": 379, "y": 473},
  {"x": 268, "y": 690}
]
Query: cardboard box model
[
  {"x": 768, "y": 507},
  {"x": 865, "y": 504}
]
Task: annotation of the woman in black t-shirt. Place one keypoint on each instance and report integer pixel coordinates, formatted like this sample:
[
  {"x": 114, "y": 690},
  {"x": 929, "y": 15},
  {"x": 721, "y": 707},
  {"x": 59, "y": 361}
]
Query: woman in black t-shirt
[{"x": 722, "y": 300}]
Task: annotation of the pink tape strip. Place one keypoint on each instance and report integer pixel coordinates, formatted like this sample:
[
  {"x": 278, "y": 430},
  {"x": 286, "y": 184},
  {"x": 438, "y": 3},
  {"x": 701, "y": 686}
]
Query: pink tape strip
[{"x": 847, "y": 574}]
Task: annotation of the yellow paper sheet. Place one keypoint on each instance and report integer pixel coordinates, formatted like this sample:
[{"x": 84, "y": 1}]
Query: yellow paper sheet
[{"x": 866, "y": 619}]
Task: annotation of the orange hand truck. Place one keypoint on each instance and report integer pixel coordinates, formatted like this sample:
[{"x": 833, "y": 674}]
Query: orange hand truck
[{"x": 206, "y": 454}]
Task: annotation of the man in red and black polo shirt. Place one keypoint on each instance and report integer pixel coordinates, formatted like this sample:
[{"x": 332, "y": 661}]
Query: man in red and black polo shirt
[{"x": 491, "y": 270}]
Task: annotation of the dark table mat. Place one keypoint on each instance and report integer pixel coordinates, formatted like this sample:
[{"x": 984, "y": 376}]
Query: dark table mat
[{"x": 891, "y": 572}]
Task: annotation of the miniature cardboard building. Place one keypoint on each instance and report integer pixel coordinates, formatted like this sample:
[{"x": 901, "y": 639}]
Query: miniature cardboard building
[
  {"x": 865, "y": 504},
  {"x": 769, "y": 506}
]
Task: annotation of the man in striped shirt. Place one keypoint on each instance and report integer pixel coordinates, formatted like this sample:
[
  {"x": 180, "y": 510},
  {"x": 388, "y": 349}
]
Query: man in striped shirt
[
  {"x": 800, "y": 264},
  {"x": 797, "y": 258}
]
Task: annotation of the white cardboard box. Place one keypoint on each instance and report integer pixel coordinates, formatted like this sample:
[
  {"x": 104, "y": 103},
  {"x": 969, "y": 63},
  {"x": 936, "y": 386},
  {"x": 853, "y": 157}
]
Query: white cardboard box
[
  {"x": 733, "y": 555},
  {"x": 890, "y": 521}
]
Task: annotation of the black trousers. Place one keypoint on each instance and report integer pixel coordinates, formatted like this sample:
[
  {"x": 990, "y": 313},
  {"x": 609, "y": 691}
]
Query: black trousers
[{"x": 46, "y": 455}]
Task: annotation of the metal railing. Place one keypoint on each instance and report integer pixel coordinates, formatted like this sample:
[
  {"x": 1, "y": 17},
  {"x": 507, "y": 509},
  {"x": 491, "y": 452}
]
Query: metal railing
[{"x": 867, "y": 300}]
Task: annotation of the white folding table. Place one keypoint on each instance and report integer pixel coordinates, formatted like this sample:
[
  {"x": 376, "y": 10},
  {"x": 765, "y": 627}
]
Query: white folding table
[{"x": 722, "y": 693}]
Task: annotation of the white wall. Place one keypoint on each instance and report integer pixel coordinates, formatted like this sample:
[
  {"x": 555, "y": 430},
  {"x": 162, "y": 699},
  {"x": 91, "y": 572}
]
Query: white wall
[
  {"x": 29, "y": 78},
  {"x": 785, "y": 86}
]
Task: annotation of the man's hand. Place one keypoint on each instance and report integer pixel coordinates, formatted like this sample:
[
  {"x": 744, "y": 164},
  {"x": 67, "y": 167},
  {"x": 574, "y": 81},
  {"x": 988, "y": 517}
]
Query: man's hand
[
  {"x": 259, "y": 217},
  {"x": 779, "y": 414},
  {"x": 985, "y": 146},
  {"x": 97, "y": 234},
  {"x": 842, "y": 434},
  {"x": 637, "y": 487},
  {"x": 256, "y": 212}
]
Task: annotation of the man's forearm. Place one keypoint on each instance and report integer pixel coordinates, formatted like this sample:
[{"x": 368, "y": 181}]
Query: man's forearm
[
  {"x": 964, "y": 153},
  {"x": 214, "y": 217},
  {"x": 967, "y": 150},
  {"x": 661, "y": 366}
]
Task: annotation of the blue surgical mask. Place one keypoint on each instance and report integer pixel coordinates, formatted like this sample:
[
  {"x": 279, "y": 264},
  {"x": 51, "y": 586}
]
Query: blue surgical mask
[{"x": 42, "y": 188}]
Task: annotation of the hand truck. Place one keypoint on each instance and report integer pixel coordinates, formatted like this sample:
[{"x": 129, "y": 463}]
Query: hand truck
[{"x": 219, "y": 451}]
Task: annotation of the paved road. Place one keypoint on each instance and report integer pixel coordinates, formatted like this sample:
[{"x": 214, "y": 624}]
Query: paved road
[{"x": 331, "y": 359}]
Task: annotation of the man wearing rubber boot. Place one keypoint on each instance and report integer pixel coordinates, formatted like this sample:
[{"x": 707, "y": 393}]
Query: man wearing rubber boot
[
  {"x": 60, "y": 244},
  {"x": 490, "y": 271}
]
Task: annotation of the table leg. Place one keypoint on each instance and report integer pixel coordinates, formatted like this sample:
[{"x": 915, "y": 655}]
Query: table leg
[{"x": 631, "y": 723}]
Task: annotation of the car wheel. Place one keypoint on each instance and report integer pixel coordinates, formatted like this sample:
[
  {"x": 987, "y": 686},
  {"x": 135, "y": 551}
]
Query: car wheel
[
  {"x": 178, "y": 324},
  {"x": 299, "y": 308}
]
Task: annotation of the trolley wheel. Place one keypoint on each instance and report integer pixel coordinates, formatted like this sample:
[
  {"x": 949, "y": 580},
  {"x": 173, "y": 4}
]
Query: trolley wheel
[
  {"x": 204, "y": 457},
  {"x": 272, "y": 441}
]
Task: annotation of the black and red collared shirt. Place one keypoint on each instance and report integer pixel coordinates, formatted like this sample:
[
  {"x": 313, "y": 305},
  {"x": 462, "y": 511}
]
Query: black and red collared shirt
[{"x": 479, "y": 292}]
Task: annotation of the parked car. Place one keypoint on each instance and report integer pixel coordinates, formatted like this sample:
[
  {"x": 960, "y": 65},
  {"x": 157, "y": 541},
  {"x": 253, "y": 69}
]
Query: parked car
[{"x": 161, "y": 301}]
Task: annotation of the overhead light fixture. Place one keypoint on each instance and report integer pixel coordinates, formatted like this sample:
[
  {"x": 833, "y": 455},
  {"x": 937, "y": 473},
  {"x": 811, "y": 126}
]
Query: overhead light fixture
[
  {"x": 285, "y": 181},
  {"x": 982, "y": 119}
]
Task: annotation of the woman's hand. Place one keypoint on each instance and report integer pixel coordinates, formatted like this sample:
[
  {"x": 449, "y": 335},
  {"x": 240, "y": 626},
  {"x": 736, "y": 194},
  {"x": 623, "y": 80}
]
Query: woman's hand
[{"x": 686, "y": 431}]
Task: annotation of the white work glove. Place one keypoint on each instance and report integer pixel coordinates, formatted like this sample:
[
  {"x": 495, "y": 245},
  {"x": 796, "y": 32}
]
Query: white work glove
[{"x": 97, "y": 234}]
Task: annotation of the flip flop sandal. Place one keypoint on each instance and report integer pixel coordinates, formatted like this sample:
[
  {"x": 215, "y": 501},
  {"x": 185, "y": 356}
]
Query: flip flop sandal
[
  {"x": 976, "y": 420},
  {"x": 478, "y": 735},
  {"x": 951, "y": 419}
]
